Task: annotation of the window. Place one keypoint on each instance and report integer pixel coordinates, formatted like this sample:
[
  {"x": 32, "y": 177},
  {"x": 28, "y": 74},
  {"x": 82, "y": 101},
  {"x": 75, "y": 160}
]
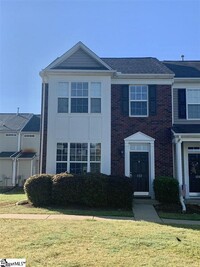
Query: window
[
  {"x": 63, "y": 97},
  {"x": 95, "y": 157},
  {"x": 193, "y": 103},
  {"x": 79, "y": 97},
  {"x": 61, "y": 157},
  {"x": 82, "y": 157},
  {"x": 138, "y": 95},
  {"x": 95, "y": 94}
]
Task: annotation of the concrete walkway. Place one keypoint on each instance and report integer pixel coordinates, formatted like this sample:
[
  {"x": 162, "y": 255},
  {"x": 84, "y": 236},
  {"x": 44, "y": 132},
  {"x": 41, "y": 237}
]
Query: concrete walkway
[
  {"x": 145, "y": 212},
  {"x": 142, "y": 212},
  {"x": 61, "y": 217}
]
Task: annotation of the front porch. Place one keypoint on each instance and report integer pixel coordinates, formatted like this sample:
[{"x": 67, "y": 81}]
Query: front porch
[{"x": 186, "y": 147}]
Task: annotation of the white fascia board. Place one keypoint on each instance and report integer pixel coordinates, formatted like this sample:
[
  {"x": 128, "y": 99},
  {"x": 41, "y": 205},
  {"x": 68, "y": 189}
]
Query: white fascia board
[
  {"x": 72, "y": 51},
  {"x": 143, "y": 79},
  {"x": 144, "y": 76},
  {"x": 186, "y": 80},
  {"x": 45, "y": 73}
]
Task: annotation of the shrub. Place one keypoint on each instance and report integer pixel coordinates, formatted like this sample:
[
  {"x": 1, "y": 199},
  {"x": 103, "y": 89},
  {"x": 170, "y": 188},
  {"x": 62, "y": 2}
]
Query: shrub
[
  {"x": 38, "y": 189},
  {"x": 120, "y": 192},
  {"x": 166, "y": 189},
  {"x": 94, "y": 189},
  {"x": 66, "y": 189}
]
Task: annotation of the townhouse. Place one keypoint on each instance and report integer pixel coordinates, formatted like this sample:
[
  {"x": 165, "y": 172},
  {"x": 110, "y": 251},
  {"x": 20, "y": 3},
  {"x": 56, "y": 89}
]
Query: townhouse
[
  {"x": 137, "y": 117},
  {"x": 19, "y": 147}
]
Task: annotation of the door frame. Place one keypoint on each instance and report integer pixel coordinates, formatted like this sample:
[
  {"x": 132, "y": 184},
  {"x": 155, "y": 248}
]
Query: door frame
[
  {"x": 140, "y": 142},
  {"x": 187, "y": 151}
]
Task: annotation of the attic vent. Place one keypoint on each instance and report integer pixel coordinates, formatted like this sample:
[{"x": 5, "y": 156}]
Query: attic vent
[
  {"x": 10, "y": 135},
  {"x": 29, "y": 135}
]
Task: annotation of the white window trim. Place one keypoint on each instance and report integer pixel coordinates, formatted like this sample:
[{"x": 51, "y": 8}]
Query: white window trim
[
  {"x": 187, "y": 103},
  {"x": 89, "y": 97},
  {"x": 147, "y": 101},
  {"x": 88, "y": 162}
]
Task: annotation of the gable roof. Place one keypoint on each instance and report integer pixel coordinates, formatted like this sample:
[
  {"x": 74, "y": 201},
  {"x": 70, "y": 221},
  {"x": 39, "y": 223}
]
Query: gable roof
[
  {"x": 12, "y": 122},
  {"x": 184, "y": 69},
  {"x": 79, "y": 57},
  {"x": 33, "y": 124},
  {"x": 146, "y": 65}
]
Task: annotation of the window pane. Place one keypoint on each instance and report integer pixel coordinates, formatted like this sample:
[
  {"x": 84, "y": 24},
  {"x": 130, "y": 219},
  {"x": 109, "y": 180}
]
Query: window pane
[
  {"x": 79, "y": 105},
  {"x": 62, "y": 151},
  {"x": 62, "y": 105},
  {"x": 139, "y": 108},
  {"x": 78, "y": 151},
  {"x": 95, "y": 152},
  {"x": 95, "y": 167},
  {"x": 193, "y": 96},
  {"x": 63, "y": 89},
  {"x": 61, "y": 167},
  {"x": 78, "y": 168},
  {"x": 138, "y": 92},
  {"x": 194, "y": 111},
  {"x": 79, "y": 89},
  {"x": 95, "y": 90},
  {"x": 95, "y": 105}
]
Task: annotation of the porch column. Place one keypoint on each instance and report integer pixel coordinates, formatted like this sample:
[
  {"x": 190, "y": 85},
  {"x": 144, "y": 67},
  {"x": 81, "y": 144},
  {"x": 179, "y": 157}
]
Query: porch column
[
  {"x": 14, "y": 173},
  {"x": 179, "y": 170}
]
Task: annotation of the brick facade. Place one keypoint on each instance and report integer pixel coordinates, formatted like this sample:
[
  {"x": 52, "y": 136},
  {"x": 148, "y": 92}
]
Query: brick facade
[{"x": 157, "y": 127}]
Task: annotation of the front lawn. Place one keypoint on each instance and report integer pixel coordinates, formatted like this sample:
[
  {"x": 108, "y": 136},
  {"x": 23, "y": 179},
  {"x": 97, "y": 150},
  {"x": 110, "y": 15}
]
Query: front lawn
[
  {"x": 99, "y": 243},
  {"x": 8, "y": 205}
]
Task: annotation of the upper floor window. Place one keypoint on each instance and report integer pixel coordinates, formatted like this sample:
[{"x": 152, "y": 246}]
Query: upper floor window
[
  {"x": 193, "y": 103},
  {"x": 79, "y": 97},
  {"x": 63, "y": 97},
  {"x": 138, "y": 96}
]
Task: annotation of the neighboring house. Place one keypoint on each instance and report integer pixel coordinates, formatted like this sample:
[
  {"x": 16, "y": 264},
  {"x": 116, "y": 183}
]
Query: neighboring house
[
  {"x": 186, "y": 124},
  {"x": 113, "y": 115},
  {"x": 19, "y": 147}
]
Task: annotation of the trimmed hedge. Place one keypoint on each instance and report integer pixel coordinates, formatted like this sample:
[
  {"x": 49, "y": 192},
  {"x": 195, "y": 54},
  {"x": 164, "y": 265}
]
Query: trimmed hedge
[
  {"x": 166, "y": 189},
  {"x": 92, "y": 190},
  {"x": 120, "y": 192},
  {"x": 89, "y": 190},
  {"x": 66, "y": 189},
  {"x": 38, "y": 189}
]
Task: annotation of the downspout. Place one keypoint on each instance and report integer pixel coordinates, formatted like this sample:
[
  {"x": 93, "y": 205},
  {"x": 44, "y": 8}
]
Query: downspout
[{"x": 179, "y": 172}]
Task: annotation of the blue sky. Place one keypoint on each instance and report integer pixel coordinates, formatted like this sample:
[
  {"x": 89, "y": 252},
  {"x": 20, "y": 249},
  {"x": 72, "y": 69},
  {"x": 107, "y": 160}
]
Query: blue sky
[{"x": 35, "y": 32}]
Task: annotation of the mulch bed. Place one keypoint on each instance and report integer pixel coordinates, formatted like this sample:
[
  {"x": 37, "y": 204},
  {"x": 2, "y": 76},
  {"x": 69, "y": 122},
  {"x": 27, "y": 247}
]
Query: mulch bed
[{"x": 176, "y": 208}]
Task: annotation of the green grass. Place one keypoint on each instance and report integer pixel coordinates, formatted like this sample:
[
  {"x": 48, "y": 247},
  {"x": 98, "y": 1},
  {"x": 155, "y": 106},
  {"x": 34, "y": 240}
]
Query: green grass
[
  {"x": 8, "y": 201},
  {"x": 179, "y": 216},
  {"x": 99, "y": 243}
]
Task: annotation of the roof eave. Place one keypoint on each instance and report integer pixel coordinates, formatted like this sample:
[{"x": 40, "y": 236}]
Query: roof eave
[
  {"x": 144, "y": 76},
  {"x": 45, "y": 72}
]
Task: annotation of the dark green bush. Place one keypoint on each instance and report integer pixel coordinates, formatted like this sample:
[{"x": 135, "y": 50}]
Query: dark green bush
[
  {"x": 92, "y": 190},
  {"x": 38, "y": 189},
  {"x": 66, "y": 189},
  {"x": 166, "y": 189},
  {"x": 120, "y": 192}
]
